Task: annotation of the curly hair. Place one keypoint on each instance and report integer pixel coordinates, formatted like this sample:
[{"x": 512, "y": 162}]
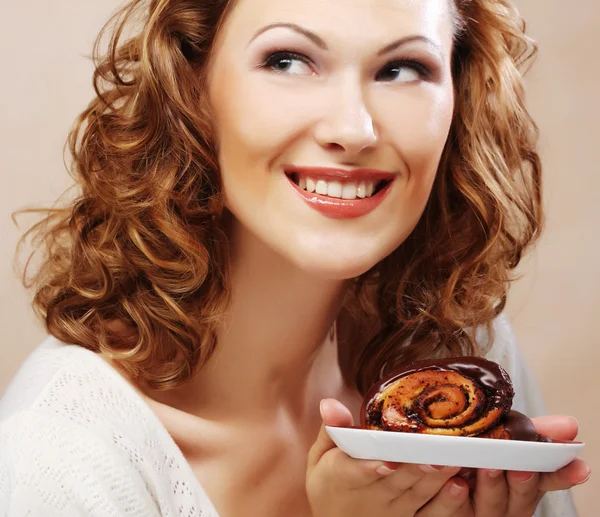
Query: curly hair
[{"x": 137, "y": 266}]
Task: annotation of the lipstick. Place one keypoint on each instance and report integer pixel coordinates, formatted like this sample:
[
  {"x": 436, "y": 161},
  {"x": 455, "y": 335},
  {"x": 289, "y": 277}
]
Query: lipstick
[{"x": 335, "y": 207}]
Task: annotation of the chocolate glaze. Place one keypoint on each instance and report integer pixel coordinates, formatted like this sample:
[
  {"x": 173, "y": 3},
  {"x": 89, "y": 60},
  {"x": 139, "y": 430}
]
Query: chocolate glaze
[
  {"x": 520, "y": 427},
  {"x": 490, "y": 376}
]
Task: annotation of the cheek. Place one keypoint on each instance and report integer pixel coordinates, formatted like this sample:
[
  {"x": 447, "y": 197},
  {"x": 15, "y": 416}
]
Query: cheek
[
  {"x": 257, "y": 116},
  {"x": 422, "y": 127},
  {"x": 258, "y": 119},
  {"x": 418, "y": 127},
  {"x": 243, "y": 139}
]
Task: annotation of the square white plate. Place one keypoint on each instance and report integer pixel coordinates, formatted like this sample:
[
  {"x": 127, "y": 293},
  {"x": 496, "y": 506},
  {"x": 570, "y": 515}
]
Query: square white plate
[{"x": 456, "y": 451}]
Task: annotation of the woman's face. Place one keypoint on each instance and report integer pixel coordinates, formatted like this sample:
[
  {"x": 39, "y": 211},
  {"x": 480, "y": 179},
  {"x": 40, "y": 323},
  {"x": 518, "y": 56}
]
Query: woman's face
[{"x": 331, "y": 117}]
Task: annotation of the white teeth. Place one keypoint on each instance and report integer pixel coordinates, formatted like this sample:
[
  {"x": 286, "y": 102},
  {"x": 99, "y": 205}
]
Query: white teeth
[
  {"x": 321, "y": 187},
  {"x": 349, "y": 191},
  {"x": 334, "y": 189},
  {"x": 361, "y": 191},
  {"x": 338, "y": 189}
]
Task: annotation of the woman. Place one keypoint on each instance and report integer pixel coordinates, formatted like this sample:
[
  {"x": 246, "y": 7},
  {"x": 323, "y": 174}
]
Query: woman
[{"x": 280, "y": 201}]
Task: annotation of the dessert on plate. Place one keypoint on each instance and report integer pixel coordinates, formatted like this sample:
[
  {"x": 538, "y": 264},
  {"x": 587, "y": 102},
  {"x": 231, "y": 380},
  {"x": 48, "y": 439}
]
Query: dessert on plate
[{"x": 461, "y": 396}]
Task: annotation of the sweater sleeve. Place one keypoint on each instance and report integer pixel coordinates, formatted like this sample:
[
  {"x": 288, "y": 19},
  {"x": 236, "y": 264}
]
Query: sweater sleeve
[
  {"x": 528, "y": 400},
  {"x": 54, "y": 467}
]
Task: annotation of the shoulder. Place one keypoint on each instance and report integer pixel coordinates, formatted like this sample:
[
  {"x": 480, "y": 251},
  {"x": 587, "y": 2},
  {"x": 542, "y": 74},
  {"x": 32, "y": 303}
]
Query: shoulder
[
  {"x": 73, "y": 431},
  {"x": 47, "y": 375},
  {"x": 51, "y": 465},
  {"x": 75, "y": 384},
  {"x": 501, "y": 346},
  {"x": 59, "y": 438}
]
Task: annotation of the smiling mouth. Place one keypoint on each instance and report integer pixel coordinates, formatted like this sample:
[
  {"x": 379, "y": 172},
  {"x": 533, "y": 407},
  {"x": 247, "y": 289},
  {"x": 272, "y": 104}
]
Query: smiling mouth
[{"x": 330, "y": 188}]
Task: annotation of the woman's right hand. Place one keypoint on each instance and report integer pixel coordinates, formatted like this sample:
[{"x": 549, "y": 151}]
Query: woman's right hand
[{"x": 340, "y": 486}]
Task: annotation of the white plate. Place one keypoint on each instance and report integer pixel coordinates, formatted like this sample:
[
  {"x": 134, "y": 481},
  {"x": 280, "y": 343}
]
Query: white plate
[{"x": 456, "y": 451}]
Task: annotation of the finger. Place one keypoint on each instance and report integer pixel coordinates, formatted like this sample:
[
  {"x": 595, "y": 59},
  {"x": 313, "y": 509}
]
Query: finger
[
  {"x": 575, "y": 473},
  {"x": 407, "y": 475},
  {"x": 451, "y": 500},
  {"x": 334, "y": 414},
  {"x": 523, "y": 492},
  {"x": 470, "y": 476},
  {"x": 557, "y": 427},
  {"x": 425, "y": 488},
  {"x": 491, "y": 493},
  {"x": 350, "y": 473}
]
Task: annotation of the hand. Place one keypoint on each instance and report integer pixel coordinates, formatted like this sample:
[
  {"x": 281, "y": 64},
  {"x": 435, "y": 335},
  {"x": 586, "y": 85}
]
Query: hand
[
  {"x": 517, "y": 494},
  {"x": 340, "y": 486}
]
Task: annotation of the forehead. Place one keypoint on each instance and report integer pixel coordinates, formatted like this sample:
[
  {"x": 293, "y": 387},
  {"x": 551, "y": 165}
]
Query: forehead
[{"x": 348, "y": 20}]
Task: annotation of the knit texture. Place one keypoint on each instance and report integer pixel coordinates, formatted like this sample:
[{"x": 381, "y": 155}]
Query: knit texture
[{"x": 77, "y": 440}]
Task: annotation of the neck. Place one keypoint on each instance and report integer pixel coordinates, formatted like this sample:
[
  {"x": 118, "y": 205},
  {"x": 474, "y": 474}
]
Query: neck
[{"x": 275, "y": 339}]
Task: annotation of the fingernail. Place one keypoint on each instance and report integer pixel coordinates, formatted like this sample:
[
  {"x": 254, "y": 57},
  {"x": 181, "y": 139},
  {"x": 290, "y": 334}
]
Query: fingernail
[
  {"x": 494, "y": 473},
  {"x": 321, "y": 409},
  {"x": 382, "y": 470},
  {"x": 429, "y": 469},
  {"x": 589, "y": 473},
  {"x": 456, "y": 489},
  {"x": 525, "y": 476}
]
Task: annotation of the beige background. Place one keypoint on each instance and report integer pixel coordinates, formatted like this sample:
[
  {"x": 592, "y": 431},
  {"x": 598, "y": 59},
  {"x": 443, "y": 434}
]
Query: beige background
[{"x": 555, "y": 308}]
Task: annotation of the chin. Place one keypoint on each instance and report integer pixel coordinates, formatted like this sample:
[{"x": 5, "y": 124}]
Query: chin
[
  {"x": 340, "y": 253},
  {"x": 337, "y": 271},
  {"x": 327, "y": 249},
  {"x": 333, "y": 265}
]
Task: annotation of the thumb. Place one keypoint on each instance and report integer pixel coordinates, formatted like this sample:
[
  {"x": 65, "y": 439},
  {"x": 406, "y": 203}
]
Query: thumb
[
  {"x": 334, "y": 414},
  {"x": 557, "y": 427}
]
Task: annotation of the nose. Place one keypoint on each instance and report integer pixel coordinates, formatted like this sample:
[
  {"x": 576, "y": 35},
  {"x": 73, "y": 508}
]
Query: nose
[{"x": 347, "y": 125}]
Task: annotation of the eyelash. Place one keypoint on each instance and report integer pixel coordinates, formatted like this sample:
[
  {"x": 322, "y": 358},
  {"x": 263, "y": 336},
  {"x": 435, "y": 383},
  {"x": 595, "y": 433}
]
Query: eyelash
[{"x": 271, "y": 58}]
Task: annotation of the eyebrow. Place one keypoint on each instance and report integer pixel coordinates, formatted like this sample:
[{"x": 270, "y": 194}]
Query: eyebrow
[
  {"x": 305, "y": 32},
  {"x": 317, "y": 40},
  {"x": 407, "y": 39}
]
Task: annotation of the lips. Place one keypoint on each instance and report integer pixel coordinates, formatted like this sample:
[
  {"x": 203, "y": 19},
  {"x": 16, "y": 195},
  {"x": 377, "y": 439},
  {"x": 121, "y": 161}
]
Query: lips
[{"x": 340, "y": 193}]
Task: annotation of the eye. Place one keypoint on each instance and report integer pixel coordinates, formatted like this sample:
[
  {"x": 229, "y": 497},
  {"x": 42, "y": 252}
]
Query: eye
[
  {"x": 403, "y": 72},
  {"x": 287, "y": 62}
]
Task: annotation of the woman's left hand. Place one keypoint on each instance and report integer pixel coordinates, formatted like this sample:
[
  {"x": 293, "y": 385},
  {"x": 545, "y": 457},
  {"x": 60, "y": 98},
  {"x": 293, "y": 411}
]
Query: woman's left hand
[{"x": 517, "y": 494}]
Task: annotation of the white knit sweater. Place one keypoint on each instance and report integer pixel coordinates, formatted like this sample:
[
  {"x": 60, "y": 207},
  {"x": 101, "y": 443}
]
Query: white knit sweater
[{"x": 77, "y": 440}]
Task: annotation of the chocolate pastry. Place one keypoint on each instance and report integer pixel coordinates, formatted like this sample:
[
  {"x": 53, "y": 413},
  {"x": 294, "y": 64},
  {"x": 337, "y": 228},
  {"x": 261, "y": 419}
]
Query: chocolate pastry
[{"x": 463, "y": 396}]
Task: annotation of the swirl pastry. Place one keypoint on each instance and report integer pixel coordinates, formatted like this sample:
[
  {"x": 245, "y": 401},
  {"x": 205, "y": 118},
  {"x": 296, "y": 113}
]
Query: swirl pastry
[{"x": 464, "y": 396}]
